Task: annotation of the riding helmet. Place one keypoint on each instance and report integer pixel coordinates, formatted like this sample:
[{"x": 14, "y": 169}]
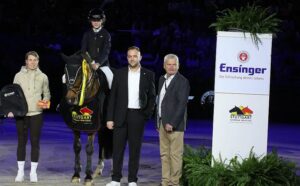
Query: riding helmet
[{"x": 96, "y": 14}]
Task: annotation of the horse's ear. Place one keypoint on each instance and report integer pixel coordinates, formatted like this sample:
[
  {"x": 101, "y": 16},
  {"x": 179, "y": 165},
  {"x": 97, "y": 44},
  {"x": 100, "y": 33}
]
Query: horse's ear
[
  {"x": 73, "y": 59},
  {"x": 64, "y": 57}
]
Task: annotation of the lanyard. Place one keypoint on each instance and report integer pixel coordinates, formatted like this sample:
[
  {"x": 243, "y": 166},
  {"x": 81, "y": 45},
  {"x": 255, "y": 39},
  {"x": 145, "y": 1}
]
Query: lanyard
[{"x": 166, "y": 85}]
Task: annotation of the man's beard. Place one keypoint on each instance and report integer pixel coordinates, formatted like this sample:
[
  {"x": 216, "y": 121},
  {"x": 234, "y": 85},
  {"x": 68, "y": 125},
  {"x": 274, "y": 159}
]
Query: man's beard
[{"x": 133, "y": 65}]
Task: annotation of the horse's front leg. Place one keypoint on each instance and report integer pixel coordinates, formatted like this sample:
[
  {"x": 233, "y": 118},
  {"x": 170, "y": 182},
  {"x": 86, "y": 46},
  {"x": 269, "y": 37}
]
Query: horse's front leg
[
  {"x": 77, "y": 149},
  {"x": 89, "y": 152}
]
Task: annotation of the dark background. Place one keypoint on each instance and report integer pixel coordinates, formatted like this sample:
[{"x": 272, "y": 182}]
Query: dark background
[{"x": 51, "y": 27}]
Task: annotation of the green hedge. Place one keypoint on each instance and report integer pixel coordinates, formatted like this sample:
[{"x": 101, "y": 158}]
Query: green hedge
[{"x": 270, "y": 170}]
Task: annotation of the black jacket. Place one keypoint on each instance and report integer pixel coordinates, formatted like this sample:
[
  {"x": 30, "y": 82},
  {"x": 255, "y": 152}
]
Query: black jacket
[
  {"x": 118, "y": 99},
  {"x": 98, "y": 45}
]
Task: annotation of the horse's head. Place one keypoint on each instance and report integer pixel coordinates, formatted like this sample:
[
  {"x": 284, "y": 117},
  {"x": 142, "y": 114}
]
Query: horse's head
[
  {"x": 81, "y": 80},
  {"x": 236, "y": 110}
]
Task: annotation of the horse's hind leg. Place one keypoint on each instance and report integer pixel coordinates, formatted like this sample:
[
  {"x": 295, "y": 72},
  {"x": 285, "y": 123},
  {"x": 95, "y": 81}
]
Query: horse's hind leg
[
  {"x": 89, "y": 152},
  {"x": 99, "y": 168},
  {"x": 77, "y": 149}
]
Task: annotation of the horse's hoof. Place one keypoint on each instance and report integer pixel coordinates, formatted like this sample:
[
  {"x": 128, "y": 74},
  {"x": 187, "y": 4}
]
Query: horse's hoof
[
  {"x": 75, "y": 179},
  {"x": 88, "y": 182},
  {"x": 96, "y": 173}
]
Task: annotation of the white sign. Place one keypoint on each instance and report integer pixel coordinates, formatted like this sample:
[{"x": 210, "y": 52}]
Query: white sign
[
  {"x": 240, "y": 124},
  {"x": 242, "y": 67},
  {"x": 242, "y": 86}
]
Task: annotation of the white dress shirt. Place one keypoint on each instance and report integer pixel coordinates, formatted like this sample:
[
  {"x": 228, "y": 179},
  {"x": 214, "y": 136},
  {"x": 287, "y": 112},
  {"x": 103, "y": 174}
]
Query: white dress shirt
[
  {"x": 134, "y": 89},
  {"x": 163, "y": 91}
]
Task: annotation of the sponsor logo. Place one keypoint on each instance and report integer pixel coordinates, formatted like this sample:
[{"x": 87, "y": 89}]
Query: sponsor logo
[
  {"x": 9, "y": 94},
  {"x": 84, "y": 116},
  {"x": 240, "y": 69},
  {"x": 243, "y": 57},
  {"x": 240, "y": 114}
]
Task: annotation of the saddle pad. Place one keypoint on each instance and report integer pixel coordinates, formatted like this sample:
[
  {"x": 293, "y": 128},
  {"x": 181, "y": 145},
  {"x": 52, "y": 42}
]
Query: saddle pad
[{"x": 81, "y": 118}]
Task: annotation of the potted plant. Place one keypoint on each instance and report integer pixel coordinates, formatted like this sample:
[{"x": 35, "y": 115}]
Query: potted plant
[{"x": 252, "y": 18}]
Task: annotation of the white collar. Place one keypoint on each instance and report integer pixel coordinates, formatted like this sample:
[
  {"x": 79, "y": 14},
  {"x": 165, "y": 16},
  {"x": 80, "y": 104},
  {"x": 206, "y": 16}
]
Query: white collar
[
  {"x": 170, "y": 77},
  {"x": 97, "y": 29},
  {"x": 137, "y": 71}
]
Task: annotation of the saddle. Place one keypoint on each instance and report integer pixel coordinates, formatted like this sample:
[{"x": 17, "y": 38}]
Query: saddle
[{"x": 12, "y": 99}]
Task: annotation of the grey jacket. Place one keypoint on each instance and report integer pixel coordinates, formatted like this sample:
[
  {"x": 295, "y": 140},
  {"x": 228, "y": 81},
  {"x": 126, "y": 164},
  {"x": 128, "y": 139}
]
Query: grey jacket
[{"x": 174, "y": 103}]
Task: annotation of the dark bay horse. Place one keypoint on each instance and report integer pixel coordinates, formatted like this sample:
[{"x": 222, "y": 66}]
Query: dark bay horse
[{"x": 81, "y": 109}]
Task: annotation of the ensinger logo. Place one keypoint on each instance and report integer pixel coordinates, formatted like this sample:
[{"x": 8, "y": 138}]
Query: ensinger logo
[
  {"x": 84, "y": 116},
  {"x": 243, "y": 57},
  {"x": 240, "y": 113}
]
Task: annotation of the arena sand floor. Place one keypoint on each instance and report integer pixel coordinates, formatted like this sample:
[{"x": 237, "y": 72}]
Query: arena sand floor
[{"x": 57, "y": 157}]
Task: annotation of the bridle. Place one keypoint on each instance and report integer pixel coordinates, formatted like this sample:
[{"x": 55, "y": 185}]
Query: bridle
[{"x": 88, "y": 79}]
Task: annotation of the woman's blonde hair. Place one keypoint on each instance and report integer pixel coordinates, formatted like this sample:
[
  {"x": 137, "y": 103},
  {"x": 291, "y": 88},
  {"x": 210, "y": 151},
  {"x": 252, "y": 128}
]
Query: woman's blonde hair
[{"x": 32, "y": 53}]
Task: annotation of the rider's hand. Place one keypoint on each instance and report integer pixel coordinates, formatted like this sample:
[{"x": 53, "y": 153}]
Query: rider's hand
[
  {"x": 10, "y": 115},
  {"x": 110, "y": 125},
  {"x": 95, "y": 66}
]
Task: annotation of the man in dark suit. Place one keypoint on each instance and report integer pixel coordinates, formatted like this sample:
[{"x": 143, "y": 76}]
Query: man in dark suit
[
  {"x": 131, "y": 104},
  {"x": 171, "y": 116}
]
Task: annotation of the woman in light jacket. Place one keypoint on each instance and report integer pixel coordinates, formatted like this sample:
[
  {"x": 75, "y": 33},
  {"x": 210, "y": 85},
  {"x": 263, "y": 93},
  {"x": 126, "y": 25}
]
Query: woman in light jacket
[{"x": 35, "y": 86}]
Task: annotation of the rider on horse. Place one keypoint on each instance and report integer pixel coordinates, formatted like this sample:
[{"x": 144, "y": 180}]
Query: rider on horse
[{"x": 97, "y": 42}]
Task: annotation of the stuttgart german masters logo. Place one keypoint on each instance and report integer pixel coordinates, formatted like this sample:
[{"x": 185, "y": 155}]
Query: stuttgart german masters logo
[{"x": 240, "y": 114}]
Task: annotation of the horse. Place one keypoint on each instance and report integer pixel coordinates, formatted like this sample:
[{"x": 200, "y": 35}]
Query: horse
[
  {"x": 236, "y": 110},
  {"x": 81, "y": 109}
]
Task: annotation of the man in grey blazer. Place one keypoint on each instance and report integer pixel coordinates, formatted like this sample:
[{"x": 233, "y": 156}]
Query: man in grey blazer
[{"x": 171, "y": 116}]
